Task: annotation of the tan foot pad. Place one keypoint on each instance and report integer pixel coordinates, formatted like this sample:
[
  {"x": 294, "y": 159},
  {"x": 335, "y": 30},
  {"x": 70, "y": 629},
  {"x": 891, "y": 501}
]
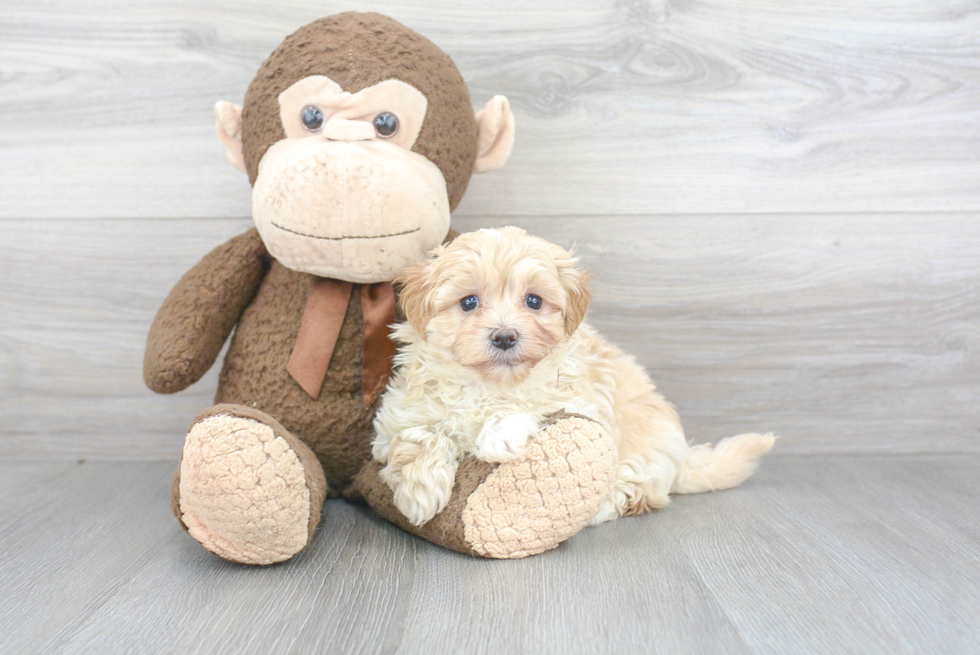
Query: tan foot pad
[
  {"x": 243, "y": 491},
  {"x": 532, "y": 505}
]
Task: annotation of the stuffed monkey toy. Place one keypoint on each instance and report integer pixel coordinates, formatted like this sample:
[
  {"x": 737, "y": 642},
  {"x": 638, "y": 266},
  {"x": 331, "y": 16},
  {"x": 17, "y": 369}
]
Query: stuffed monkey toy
[{"x": 359, "y": 139}]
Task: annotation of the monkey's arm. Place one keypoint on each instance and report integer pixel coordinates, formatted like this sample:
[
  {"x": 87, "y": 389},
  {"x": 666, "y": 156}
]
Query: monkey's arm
[{"x": 200, "y": 312}]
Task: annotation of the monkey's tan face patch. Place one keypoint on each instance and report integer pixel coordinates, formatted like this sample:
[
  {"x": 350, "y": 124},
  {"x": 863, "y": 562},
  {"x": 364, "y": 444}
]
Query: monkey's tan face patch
[
  {"x": 359, "y": 211},
  {"x": 403, "y": 101},
  {"x": 341, "y": 197}
]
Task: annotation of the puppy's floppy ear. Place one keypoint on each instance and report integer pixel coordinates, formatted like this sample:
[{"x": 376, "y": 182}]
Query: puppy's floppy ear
[
  {"x": 574, "y": 280},
  {"x": 416, "y": 290}
]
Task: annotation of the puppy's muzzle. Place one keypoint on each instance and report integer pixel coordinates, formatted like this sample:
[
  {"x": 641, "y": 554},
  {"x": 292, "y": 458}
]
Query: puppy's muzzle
[{"x": 504, "y": 338}]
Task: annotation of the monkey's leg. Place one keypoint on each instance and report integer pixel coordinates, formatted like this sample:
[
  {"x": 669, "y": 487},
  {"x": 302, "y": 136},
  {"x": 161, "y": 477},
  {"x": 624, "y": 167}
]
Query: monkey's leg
[
  {"x": 246, "y": 489},
  {"x": 520, "y": 508}
]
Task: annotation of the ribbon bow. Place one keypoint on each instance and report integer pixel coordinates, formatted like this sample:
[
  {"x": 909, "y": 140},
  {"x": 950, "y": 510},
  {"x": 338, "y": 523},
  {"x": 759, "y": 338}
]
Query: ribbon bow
[{"x": 320, "y": 326}]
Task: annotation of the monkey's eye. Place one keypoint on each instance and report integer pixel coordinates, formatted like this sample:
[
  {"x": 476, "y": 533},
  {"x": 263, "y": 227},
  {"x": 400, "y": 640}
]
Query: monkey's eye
[
  {"x": 532, "y": 301},
  {"x": 312, "y": 118},
  {"x": 385, "y": 124},
  {"x": 469, "y": 303}
]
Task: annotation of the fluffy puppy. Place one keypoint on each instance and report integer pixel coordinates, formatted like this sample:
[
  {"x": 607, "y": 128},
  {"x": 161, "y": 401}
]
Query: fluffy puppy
[{"x": 494, "y": 344}]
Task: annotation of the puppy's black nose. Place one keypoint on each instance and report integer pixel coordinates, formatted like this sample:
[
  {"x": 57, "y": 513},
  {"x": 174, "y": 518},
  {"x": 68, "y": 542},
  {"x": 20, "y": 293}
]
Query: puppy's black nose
[{"x": 504, "y": 338}]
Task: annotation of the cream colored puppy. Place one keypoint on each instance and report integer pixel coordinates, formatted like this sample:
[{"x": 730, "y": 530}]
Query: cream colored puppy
[{"x": 494, "y": 344}]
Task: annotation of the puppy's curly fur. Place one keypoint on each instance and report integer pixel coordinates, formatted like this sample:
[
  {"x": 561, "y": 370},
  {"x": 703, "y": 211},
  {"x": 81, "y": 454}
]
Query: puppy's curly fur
[{"x": 494, "y": 344}]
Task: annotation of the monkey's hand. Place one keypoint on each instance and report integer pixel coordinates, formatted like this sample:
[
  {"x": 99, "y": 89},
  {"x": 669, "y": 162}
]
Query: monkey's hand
[{"x": 200, "y": 312}]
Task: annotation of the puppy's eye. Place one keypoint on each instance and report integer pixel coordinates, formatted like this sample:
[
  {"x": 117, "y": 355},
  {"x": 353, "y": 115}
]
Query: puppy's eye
[
  {"x": 469, "y": 303},
  {"x": 385, "y": 124},
  {"x": 312, "y": 118},
  {"x": 532, "y": 301}
]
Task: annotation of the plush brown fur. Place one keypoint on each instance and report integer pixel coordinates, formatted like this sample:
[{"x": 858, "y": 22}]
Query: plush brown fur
[
  {"x": 199, "y": 313},
  {"x": 358, "y": 50},
  {"x": 334, "y": 425}
]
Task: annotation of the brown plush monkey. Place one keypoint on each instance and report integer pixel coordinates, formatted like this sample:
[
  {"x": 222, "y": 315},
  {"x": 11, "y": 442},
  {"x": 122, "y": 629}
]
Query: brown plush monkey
[{"x": 359, "y": 139}]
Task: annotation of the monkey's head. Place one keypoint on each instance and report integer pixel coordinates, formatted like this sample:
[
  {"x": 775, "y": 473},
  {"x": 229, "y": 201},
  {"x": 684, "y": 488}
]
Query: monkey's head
[{"x": 358, "y": 136}]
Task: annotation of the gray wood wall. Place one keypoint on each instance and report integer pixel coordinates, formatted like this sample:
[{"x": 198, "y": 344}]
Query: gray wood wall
[{"x": 779, "y": 200}]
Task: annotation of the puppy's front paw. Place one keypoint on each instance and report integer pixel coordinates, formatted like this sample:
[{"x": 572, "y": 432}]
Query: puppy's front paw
[
  {"x": 506, "y": 440},
  {"x": 419, "y": 503},
  {"x": 421, "y": 489}
]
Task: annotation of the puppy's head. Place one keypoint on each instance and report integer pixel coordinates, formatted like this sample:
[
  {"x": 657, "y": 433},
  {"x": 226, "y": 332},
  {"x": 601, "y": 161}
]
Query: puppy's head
[{"x": 500, "y": 300}]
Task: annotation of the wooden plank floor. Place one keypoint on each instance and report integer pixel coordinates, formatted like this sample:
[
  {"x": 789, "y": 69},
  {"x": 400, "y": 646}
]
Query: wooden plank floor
[{"x": 842, "y": 554}]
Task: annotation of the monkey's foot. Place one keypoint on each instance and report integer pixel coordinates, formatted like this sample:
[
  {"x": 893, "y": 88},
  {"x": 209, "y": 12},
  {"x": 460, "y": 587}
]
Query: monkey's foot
[
  {"x": 246, "y": 489},
  {"x": 520, "y": 508}
]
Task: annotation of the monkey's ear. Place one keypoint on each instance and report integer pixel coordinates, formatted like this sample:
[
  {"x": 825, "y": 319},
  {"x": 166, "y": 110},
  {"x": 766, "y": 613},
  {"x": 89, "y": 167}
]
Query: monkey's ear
[
  {"x": 229, "y": 128},
  {"x": 496, "y": 124}
]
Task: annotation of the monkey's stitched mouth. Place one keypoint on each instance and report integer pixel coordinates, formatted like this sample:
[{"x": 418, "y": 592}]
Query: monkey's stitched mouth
[{"x": 356, "y": 236}]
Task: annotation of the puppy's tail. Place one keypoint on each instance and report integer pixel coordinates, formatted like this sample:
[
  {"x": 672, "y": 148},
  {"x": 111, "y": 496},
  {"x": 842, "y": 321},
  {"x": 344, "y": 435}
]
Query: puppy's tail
[{"x": 726, "y": 464}]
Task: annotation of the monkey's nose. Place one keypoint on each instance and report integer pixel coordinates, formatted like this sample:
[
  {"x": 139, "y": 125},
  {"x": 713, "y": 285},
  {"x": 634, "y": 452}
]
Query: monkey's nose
[
  {"x": 341, "y": 129},
  {"x": 504, "y": 338}
]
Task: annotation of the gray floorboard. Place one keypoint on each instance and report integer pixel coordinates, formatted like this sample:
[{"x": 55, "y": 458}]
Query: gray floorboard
[
  {"x": 824, "y": 556},
  {"x": 842, "y": 554}
]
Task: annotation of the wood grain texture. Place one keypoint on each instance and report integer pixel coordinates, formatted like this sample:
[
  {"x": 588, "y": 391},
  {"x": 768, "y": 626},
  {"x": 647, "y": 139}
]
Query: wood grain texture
[
  {"x": 875, "y": 554},
  {"x": 347, "y": 593},
  {"x": 841, "y": 334},
  {"x": 845, "y": 533},
  {"x": 650, "y": 601},
  {"x": 86, "y": 532},
  {"x": 623, "y": 107},
  {"x": 19, "y": 479}
]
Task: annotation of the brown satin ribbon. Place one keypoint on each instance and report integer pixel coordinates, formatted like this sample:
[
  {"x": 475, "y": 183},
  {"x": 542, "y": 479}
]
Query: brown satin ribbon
[
  {"x": 378, "y": 306},
  {"x": 320, "y": 326}
]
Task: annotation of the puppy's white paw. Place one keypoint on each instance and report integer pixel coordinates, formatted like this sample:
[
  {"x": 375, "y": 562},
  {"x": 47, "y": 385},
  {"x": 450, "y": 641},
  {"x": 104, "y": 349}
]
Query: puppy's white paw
[
  {"x": 506, "y": 440},
  {"x": 421, "y": 489},
  {"x": 419, "y": 503}
]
